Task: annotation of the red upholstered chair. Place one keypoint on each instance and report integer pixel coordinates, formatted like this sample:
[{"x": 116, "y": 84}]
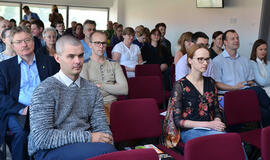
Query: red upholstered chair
[
  {"x": 215, "y": 147},
  {"x": 124, "y": 71},
  {"x": 265, "y": 142},
  {"x": 242, "y": 106},
  {"x": 135, "y": 154},
  {"x": 122, "y": 97},
  {"x": 109, "y": 51},
  {"x": 173, "y": 74},
  {"x": 136, "y": 119}
]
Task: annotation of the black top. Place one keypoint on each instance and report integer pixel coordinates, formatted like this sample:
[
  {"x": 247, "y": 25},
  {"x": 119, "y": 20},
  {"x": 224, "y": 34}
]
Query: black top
[
  {"x": 213, "y": 54},
  {"x": 191, "y": 105},
  {"x": 155, "y": 55}
]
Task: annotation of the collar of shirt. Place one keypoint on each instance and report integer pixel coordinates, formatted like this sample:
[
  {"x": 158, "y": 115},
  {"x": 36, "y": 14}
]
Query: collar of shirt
[
  {"x": 226, "y": 55},
  {"x": 65, "y": 79},
  {"x": 20, "y": 60}
]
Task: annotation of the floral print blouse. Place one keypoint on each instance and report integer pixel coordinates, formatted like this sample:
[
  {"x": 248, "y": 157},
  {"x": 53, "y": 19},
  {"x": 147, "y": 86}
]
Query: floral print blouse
[{"x": 191, "y": 105}]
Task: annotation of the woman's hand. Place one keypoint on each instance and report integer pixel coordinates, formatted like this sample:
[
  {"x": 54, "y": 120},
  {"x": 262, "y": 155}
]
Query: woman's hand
[{"x": 216, "y": 125}]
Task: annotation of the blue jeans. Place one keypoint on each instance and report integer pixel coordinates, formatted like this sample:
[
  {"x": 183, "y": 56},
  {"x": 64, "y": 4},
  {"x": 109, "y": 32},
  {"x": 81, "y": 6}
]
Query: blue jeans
[{"x": 78, "y": 151}]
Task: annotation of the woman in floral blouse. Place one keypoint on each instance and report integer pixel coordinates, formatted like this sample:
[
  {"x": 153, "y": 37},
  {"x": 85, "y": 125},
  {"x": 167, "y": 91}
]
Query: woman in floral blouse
[{"x": 197, "y": 112}]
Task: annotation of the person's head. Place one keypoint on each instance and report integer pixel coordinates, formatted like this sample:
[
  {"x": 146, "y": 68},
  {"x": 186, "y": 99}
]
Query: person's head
[
  {"x": 128, "y": 34},
  {"x": 142, "y": 36},
  {"x": 21, "y": 41},
  {"x": 49, "y": 35},
  {"x": 26, "y": 10},
  {"x": 155, "y": 35},
  {"x": 231, "y": 40},
  {"x": 3, "y": 25},
  {"x": 185, "y": 42},
  {"x": 69, "y": 55},
  {"x": 138, "y": 29},
  {"x": 60, "y": 26},
  {"x": 119, "y": 30},
  {"x": 13, "y": 22},
  {"x": 109, "y": 25},
  {"x": 115, "y": 24},
  {"x": 198, "y": 57},
  {"x": 78, "y": 29},
  {"x": 200, "y": 38},
  {"x": 89, "y": 26},
  {"x": 1, "y": 18},
  {"x": 37, "y": 28},
  {"x": 98, "y": 43},
  {"x": 54, "y": 8},
  {"x": 5, "y": 36},
  {"x": 73, "y": 24},
  {"x": 25, "y": 23},
  {"x": 162, "y": 28},
  {"x": 259, "y": 50},
  {"x": 217, "y": 39}
]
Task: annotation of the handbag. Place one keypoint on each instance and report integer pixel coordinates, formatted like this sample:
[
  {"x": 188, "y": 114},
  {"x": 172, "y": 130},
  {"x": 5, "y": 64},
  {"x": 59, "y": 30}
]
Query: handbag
[{"x": 171, "y": 132}]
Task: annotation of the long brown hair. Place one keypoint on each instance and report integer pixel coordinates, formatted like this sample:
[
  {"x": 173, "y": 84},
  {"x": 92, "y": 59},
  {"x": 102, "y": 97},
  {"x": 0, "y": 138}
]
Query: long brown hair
[
  {"x": 181, "y": 41},
  {"x": 256, "y": 44}
]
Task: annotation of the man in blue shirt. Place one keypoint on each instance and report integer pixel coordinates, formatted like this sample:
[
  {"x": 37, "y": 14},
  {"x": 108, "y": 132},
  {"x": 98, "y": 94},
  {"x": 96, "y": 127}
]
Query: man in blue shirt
[
  {"x": 234, "y": 72},
  {"x": 29, "y": 15},
  {"x": 19, "y": 76}
]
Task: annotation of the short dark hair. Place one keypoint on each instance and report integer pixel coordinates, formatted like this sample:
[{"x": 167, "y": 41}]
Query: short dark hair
[
  {"x": 26, "y": 8},
  {"x": 253, "y": 55},
  {"x": 224, "y": 37},
  {"x": 198, "y": 35},
  {"x": 160, "y": 25},
  {"x": 39, "y": 23}
]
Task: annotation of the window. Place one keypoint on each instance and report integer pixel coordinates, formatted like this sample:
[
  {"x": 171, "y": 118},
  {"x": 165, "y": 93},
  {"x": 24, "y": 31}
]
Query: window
[
  {"x": 99, "y": 15},
  {"x": 10, "y": 10},
  {"x": 43, "y": 12}
]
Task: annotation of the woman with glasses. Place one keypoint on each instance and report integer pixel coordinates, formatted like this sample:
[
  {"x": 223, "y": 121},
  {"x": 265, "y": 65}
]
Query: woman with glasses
[
  {"x": 196, "y": 108},
  {"x": 126, "y": 53},
  {"x": 260, "y": 64},
  {"x": 185, "y": 43},
  {"x": 8, "y": 52}
]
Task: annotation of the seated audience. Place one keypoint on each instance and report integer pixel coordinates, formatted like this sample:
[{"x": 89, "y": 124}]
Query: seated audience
[
  {"x": 141, "y": 38},
  {"x": 55, "y": 16},
  {"x": 19, "y": 76},
  {"x": 25, "y": 23},
  {"x": 195, "y": 99},
  {"x": 70, "y": 31},
  {"x": 185, "y": 43},
  {"x": 118, "y": 36},
  {"x": 108, "y": 76},
  {"x": 181, "y": 68},
  {"x": 8, "y": 52},
  {"x": 49, "y": 36},
  {"x": 13, "y": 22},
  {"x": 234, "y": 72},
  {"x": 216, "y": 45},
  {"x": 138, "y": 29},
  {"x": 260, "y": 64},
  {"x": 60, "y": 27},
  {"x": 37, "y": 28},
  {"x": 165, "y": 42},
  {"x": 3, "y": 25},
  {"x": 67, "y": 119},
  {"x": 78, "y": 32},
  {"x": 126, "y": 53}
]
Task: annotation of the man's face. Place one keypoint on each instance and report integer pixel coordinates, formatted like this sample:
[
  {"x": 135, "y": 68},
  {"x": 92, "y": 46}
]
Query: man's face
[
  {"x": 26, "y": 11},
  {"x": 73, "y": 24},
  {"x": 232, "y": 41},
  {"x": 98, "y": 44},
  {"x": 71, "y": 60},
  {"x": 202, "y": 41},
  {"x": 162, "y": 31},
  {"x": 60, "y": 27},
  {"x": 3, "y": 25},
  {"x": 35, "y": 30},
  {"x": 88, "y": 29},
  {"x": 50, "y": 38},
  {"x": 23, "y": 44}
]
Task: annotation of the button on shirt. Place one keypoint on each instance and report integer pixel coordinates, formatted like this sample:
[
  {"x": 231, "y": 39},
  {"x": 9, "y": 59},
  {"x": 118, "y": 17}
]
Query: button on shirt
[{"x": 29, "y": 80}]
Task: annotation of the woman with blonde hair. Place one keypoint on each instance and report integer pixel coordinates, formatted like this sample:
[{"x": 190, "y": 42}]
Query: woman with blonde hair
[{"x": 185, "y": 43}]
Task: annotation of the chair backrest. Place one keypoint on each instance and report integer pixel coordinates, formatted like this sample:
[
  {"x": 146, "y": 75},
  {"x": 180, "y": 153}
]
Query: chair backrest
[
  {"x": 146, "y": 87},
  {"x": 135, "y": 154},
  {"x": 265, "y": 142},
  {"x": 173, "y": 74},
  {"x": 109, "y": 51},
  {"x": 124, "y": 71},
  {"x": 148, "y": 70},
  {"x": 241, "y": 106},
  {"x": 215, "y": 147},
  {"x": 135, "y": 119}
]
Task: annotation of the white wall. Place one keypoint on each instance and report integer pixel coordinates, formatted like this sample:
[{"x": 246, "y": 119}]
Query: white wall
[{"x": 182, "y": 15}]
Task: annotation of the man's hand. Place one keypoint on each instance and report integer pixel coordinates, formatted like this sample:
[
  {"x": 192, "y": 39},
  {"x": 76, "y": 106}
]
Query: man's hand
[
  {"x": 98, "y": 85},
  {"x": 240, "y": 85},
  {"x": 24, "y": 111},
  {"x": 101, "y": 137}
]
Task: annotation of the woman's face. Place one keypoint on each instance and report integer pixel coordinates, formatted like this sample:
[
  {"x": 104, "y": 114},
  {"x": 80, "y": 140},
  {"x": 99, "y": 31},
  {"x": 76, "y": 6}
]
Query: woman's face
[
  {"x": 155, "y": 37},
  {"x": 119, "y": 31},
  {"x": 50, "y": 38},
  {"x": 128, "y": 38},
  {"x": 261, "y": 51},
  {"x": 7, "y": 39},
  {"x": 188, "y": 44},
  {"x": 200, "y": 60},
  {"x": 79, "y": 30},
  {"x": 218, "y": 41},
  {"x": 142, "y": 39}
]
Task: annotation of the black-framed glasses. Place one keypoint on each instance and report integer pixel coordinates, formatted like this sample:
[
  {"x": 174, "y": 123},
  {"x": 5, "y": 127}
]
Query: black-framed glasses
[
  {"x": 201, "y": 59},
  {"x": 99, "y": 43},
  {"x": 27, "y": 41}
]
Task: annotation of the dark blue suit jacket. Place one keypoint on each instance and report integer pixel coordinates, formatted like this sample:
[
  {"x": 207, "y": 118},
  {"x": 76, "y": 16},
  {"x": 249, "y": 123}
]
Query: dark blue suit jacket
[
  {"x": 33, "y": 15},
  {"x": 10, "y": 77}
]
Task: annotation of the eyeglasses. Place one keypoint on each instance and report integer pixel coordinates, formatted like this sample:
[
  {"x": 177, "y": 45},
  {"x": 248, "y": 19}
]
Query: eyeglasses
[
  {"x": 27, "y": 40},
  {"x": 100, "y": 43},
  {"x": 201, "y": 60}
]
